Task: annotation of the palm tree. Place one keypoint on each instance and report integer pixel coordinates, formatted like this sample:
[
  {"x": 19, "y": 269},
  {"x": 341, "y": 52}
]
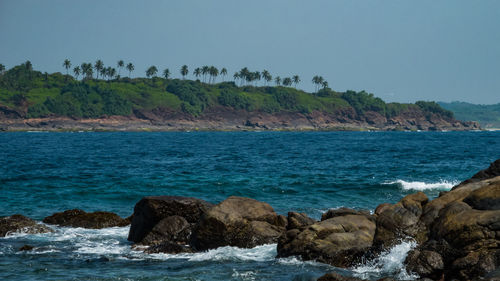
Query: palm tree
[
  {"x": 287, "y": 81},
  {"x": 151, "y": 72},
  {"x": 317, "y": 80},
  {"x": 67, "y": 65},
  {"x": 256, "y": 77},
  {"x": 245, "y": 75},
  {"x": 103, "y": 72},
  {"x": 236, "y": 76},
  {"x": 223, "y": 73},
  {"x": 2, "y": 68},
  {"x": 76, "y": 71},
  {"x": 267, "y": 76},
  {"x": 296, "y": 80},
  {"x": 166, "y": 73},
  {"x": 324, "y": 84},
  {"x": 98, "y": 66},
  {"x": 197, "y": 72},
  {"x": 87, "y": 70},
  {"x": 130, "y": 68},
  {"x": 120, "y": 65},
  {"x": 214, "y": 72},
  {"x": 277, "y": 80},
  {"x": 184, "y": 71},
  {"x": 204, "y": 70}
]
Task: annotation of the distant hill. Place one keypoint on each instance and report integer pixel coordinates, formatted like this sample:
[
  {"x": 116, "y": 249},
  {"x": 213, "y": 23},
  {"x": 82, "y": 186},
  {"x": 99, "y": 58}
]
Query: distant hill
[
  {"x": 487, "y": 115},
  {"x": 30, "y": 99}
]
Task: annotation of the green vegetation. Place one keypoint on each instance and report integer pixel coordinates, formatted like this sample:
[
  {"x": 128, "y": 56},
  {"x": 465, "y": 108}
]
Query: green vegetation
[
  {"x": 488, "y": 116},
  {"x": 40, "y": 94}
]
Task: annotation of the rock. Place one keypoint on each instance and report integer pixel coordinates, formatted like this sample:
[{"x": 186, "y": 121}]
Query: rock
[
  {"x": 340, "y": 241},
  {"x": 20, "y": 223},
  {"x": 491, "y": 172},
  {"x": 485, "y": 198},
  {"x": 298, "y": 220},
  {"x": 240, "y": 222},
  {"x": 26, "y": 248},
  {"x": 342, "y": 212},
  {"x": 150, "y": 210},
  {"x": 169, "y": 247},
  {"x": 400, "y": 221},
  {"x": 425, "y": 263},
  {"x": 332, "y": 276},
  {"x": 174, "y": 228},
  {"x": 80, "y": 218}
]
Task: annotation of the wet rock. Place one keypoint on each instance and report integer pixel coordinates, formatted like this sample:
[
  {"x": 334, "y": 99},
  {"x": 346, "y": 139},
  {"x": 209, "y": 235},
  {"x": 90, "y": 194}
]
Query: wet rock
[
  {"x": 340, "y": 241},
  {"x": 20, "y": 223},
  {"x": 240, "y": 222},
  {"x": 485, "y": 198},
  {"x": 400, "y": 221},
  {"x": 298, "y": 220},
  {"x": 332, "y": 276},
  {"x": 26, "y": 248},
  {"x": 342, "y": 212},
  {"x": 426, "y": 263},
  {"x": 151, "y": 210},
  {"x": 80, "y": 218},
  {"x": 169, "y": 247},
  {"x": 174, "y": 228}
]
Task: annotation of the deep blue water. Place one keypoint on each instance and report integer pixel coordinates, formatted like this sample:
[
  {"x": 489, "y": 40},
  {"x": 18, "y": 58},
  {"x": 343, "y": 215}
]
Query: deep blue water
[{"x": 42, "y": 173}]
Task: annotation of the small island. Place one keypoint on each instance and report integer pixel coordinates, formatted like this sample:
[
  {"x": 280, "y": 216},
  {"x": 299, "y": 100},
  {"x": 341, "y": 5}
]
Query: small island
[{"x": 104, "y": 100}]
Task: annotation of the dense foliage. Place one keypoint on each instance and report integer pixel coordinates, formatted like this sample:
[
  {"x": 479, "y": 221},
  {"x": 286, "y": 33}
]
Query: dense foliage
[
  {"x": 42, "y": 94},
  {"x": 487, "y": 115}
]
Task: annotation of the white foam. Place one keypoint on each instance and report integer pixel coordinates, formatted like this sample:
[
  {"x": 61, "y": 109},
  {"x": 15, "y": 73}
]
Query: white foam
[
  {"x": 260, "y": 253},
  {"x": 420, "y": 185},
  {"x": 389, "y": 263}
]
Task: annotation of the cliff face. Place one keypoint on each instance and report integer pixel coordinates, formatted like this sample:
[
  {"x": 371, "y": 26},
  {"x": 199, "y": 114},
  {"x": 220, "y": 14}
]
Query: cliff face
[{"x": 224, "y": 118}]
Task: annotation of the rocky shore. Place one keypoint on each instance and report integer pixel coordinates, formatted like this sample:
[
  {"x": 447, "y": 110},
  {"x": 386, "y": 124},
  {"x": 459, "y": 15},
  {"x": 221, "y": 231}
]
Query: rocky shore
[
  {"x": 457, "y": 234},
  {"x": 224, "y": 119}
]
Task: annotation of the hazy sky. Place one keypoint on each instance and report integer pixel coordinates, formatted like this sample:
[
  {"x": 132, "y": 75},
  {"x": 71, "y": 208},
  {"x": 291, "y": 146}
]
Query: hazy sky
[{"x": 399, "y": 50}]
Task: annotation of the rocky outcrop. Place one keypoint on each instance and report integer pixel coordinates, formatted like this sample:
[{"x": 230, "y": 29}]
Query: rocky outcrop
[
  {"x": 157, "y": 219},
  {"x": 400, "y": 221},
  {"x": 463, "y": 232},
  {"x": 240, "y": 222},
  {"x": 298, "y": 220},
  {"x": 491, "y": 172},
  {"x": 20, "y": 223},
  {"x": 340, "y": 240},
  {"x": 80, "y": 218}
]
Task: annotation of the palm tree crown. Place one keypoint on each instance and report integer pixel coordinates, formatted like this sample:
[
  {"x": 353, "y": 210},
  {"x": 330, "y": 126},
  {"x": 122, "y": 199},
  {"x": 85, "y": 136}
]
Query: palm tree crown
[
  {"x": 184, "y": 71},
  {"x": 166, "y": 73},
  {"x": 151, "y": 72},
  {"x": 76, "y": 71},
  {"x": 67, "y": 65},
  {"x": 98, "y": 66},
  {"x": 120, "y": 65},
  {"x": 130, "y": 68}
]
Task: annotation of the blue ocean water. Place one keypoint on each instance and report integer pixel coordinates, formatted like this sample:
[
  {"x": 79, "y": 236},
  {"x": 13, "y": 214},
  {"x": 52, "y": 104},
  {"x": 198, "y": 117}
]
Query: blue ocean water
[{"x": 43, "y": 173}]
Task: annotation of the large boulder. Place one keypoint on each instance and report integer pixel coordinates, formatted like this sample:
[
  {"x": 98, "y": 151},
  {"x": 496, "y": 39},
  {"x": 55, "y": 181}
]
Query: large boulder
[
  {"x": 173, "y": 228},
  {"x": 400, "y": 221},
  {"x": 20, "y": 223},
  {"x": 149, "y": 211},
  {"x": 464, "y": 233},
  {"x": 298, "y": 220},
  {"x": 340, "y": 241},
  {"x": 80, "y": 218},
  {"x": 240, "y": 222}
]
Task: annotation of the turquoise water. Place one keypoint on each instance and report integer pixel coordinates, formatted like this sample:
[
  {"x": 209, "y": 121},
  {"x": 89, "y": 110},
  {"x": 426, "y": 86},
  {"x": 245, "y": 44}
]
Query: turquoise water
[{"x": 43, "y": 173}]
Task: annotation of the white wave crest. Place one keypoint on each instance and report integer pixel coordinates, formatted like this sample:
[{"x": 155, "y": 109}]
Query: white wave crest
[
  {"x": 389, "y": 263},
  {"x": 260, "y": 253},
  {"x": 420, "y": 185}
]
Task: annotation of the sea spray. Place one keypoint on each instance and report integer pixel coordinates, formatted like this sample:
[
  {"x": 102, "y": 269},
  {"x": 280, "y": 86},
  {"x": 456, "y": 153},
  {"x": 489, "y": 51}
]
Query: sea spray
[{"x": 388, "y": 263}]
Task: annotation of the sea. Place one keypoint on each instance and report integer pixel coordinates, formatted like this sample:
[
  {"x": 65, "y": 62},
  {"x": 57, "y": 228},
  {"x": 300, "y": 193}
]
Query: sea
[{"x": 46, "y": 172}]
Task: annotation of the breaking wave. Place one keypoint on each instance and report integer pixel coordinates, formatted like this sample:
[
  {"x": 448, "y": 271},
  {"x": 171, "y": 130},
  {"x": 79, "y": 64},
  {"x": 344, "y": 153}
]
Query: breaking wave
[{"x": 420, "y": 185}]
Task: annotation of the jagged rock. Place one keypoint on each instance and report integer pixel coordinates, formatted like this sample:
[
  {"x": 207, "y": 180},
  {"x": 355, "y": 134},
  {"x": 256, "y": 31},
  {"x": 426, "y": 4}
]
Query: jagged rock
[
  {"x": 173, "y": 228},
  {"x": 332, "y": 276},
  {"x": 339, "y": 241},
  {"x": 464, "y": 232},
  {"x": 26, "y": 248},
  {"x": 169, "y": 247},
  {"x": 342, "y": 212},
  {"x": 491, "y": 172},
  {"x": 80, "y": 218},
  {"x": 298, "y": 220},
  {"x": 240, "y": 222},
  {"x": 151, "y": 210},
  {"x": 20, "y": 223},
  {"x": 400, "y": 221}
]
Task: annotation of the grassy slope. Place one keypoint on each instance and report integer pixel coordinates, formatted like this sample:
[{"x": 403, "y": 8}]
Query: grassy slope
[
  {"x": 41, "y": 95},
  {"x": 487, "y": 115}
]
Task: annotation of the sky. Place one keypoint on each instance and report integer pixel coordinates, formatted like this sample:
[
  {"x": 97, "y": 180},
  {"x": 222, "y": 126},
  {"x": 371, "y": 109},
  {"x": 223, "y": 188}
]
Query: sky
[{"x": 401, "y": 51}]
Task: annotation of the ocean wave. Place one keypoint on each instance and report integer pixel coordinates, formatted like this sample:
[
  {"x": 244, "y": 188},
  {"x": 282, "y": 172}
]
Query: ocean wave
[
  {"x": 388, "y": 263},
  {"x": 420, "y": 185},
  {"x": 260, "y": 253}
]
